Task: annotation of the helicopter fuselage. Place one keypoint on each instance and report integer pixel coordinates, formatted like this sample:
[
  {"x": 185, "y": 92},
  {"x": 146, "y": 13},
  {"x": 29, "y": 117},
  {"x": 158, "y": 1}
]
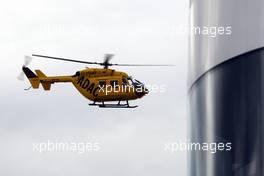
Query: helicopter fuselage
[{"x": 97, "y": 85}]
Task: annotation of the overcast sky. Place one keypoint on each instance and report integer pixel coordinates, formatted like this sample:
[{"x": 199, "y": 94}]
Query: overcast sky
[{"x": 132, "y": 140}]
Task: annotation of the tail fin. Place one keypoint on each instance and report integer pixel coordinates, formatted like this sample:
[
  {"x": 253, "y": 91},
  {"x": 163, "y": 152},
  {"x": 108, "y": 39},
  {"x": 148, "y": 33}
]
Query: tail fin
[
  {"x": 40, "y": 74},
  {"x": 32, "y": 77},
  {"x": 45, "y": 84}
]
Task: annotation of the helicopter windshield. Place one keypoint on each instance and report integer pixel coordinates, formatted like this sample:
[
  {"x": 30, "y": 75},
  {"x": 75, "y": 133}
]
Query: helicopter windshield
[
  {"x": 141, "y": 90},
  {"x": 134, "y": 82}
]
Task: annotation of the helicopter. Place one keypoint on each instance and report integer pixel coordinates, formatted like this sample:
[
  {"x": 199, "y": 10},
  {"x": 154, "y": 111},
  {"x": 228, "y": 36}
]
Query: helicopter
[{"x": 99, "y": 85}]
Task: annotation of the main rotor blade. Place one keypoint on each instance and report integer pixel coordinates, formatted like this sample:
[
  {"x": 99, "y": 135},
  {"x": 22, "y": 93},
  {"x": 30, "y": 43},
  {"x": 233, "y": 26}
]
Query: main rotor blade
[
  {"x": 65, "y": 59},
  {"x": 104, "y": 63},
  {"x": 144, "y": 65}
]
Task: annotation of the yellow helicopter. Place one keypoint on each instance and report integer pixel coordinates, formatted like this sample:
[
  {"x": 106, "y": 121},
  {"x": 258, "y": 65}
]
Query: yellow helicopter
[{"x": 99, "y": 85}]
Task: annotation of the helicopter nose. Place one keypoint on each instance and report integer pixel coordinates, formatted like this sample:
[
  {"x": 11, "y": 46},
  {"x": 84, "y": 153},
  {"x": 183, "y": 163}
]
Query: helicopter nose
[{"x": 143, "y": 91}]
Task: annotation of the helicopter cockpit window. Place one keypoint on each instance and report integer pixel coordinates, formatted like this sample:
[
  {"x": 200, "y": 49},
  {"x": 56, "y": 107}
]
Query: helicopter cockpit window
[
  {"x": 102, "y": 83},
  {"x": 114, "y": 83},
  {"x": 130, "y": 81}
]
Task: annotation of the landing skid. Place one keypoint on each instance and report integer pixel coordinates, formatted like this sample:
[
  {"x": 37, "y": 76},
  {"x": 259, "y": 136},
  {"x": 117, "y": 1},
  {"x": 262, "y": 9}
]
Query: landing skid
[{"x": 118, "y": 105}]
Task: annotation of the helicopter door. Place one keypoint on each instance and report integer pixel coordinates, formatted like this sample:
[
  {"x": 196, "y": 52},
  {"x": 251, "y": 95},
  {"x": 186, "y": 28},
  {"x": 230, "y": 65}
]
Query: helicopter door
[{"x": 114, "y": 84}]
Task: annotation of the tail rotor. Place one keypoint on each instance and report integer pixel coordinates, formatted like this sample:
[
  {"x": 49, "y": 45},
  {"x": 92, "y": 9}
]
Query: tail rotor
[{"x": 27, "y": 61}]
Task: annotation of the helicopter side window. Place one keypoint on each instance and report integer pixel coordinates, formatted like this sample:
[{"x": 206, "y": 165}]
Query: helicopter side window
[
  {"x": 114, "y": 83},
  {"x": 77, "y": 73},
  {"x": 102, "y": 83},
  {"x": 124, "y": 82}
]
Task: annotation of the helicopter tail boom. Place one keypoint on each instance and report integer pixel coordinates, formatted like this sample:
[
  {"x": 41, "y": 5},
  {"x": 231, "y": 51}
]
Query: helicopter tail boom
[{"x": 41, "y": 78}]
